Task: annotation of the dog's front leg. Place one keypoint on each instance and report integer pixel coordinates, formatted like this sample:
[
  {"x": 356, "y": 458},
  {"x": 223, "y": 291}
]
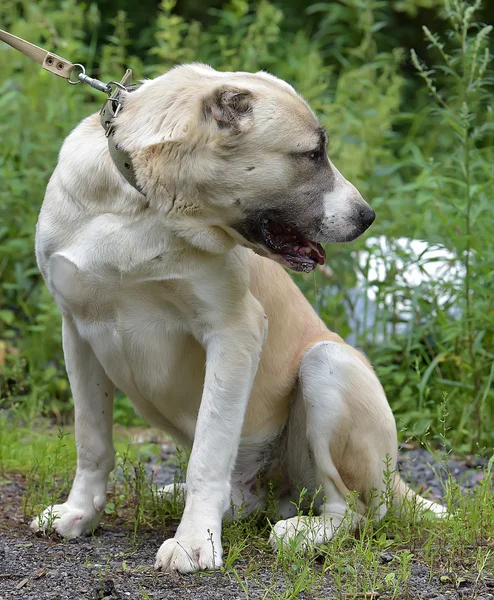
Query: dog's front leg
[
  {"x": 93, "y": 400},
  {"x": 232, "y": 356}
]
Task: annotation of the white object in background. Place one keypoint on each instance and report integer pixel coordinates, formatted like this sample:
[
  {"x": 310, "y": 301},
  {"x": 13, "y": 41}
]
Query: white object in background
[{"x": 413, "y": 270}]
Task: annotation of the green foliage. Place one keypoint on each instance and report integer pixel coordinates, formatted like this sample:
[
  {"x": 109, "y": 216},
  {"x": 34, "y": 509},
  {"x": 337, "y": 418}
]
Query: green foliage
[{"x": 416, "y": 140}]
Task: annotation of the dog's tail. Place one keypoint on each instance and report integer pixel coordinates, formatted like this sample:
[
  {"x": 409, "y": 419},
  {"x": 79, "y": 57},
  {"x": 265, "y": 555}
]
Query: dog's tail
[{"x": 404, "y": 496}]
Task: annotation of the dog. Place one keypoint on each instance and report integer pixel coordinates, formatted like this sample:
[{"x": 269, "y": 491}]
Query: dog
[{"x": 174, "y": 291}]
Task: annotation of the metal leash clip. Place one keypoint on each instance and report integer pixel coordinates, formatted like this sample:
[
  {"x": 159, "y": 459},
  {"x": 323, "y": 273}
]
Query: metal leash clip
[
  {"x": 113, "y": 104},
  {"x": 101, "y": 86}
]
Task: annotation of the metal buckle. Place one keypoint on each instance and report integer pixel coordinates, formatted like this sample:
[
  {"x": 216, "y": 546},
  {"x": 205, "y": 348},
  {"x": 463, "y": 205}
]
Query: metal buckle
[
  {"x": 112, "y": 113},
  {"x": 112, "y": 104}
]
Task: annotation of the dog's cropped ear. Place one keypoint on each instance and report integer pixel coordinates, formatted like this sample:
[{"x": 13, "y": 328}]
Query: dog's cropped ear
[{"x": 230, "y": 108}]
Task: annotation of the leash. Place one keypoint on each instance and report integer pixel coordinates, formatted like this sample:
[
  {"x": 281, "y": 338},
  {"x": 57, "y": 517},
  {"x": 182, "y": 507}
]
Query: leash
[{"x": 111, "y": 107}]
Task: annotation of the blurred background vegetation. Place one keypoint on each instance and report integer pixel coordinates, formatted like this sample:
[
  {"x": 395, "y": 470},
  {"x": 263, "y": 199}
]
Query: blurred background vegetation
[{"x": 404, "y": 88}]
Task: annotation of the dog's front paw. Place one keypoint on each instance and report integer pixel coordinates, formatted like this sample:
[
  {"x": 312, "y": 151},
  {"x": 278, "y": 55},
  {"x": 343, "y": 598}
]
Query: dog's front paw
[
  {"x": 67, "y": 520},
  {"x": 186, "y": 555}
]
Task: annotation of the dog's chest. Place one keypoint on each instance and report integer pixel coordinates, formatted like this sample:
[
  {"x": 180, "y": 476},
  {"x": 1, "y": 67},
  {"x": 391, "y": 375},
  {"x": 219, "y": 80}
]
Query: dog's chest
[
  {"x": 140, "y": 328},
  {"x": 149, "y": 354},
  {"x": 144, "y": 303}
]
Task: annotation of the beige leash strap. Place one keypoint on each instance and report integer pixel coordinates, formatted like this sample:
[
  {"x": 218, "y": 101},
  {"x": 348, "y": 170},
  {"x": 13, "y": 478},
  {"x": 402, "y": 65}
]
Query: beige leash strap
[
  {"x": 49, "y": 61},
  {"x": 112, "y": 106}
]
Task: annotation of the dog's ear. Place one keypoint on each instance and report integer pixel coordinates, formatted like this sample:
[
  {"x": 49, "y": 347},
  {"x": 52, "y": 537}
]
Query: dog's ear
[{"x": 230, "y": 108}]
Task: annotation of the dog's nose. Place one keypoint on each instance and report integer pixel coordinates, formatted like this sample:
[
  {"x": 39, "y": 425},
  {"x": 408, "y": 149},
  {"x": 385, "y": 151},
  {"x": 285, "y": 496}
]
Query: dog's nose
[{"x": 367, "y": 216}]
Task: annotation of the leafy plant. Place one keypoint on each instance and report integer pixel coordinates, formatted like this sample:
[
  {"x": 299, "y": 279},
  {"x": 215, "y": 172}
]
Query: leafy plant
[{"x": 426, "y": 168}]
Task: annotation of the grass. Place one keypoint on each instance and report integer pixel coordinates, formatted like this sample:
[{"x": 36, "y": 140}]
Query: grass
[
  {"x": 380, "y": 560},
  {"x": 27, "y": 446}
]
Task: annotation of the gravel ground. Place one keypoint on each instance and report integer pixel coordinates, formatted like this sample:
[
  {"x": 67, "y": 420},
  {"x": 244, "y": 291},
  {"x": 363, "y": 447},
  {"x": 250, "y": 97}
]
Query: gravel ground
[{"x": 108, "y": 565}]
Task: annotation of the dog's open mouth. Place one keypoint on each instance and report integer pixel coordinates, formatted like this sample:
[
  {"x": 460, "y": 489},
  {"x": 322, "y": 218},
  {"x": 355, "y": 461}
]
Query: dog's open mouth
[{"x": 295, "y": 251}]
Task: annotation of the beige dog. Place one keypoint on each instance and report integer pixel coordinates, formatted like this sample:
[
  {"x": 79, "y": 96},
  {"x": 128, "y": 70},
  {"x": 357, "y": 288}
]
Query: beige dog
[{"x": 167, "y": 294}]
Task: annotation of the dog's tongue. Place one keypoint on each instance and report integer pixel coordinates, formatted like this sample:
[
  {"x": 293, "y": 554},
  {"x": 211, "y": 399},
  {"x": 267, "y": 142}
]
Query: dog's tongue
[{"x": 318, "y": 250}]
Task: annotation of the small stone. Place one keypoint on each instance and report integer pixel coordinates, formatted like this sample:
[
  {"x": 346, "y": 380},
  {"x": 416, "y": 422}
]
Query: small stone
[
  {"x": 166, "y": 450},
  {"x": 21, "y": 584},
  {"x": 385, "y": 557},
  {"x": 463, "y": 582},
  {"x": 103, "y": 589}
]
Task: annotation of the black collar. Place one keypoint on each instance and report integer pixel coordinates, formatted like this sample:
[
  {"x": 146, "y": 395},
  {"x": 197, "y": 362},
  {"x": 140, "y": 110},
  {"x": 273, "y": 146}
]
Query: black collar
[{"x": 110, "y": 109}]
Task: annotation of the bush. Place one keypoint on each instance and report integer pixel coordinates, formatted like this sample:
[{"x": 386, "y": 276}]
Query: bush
[{"x": 416, "y": 140}]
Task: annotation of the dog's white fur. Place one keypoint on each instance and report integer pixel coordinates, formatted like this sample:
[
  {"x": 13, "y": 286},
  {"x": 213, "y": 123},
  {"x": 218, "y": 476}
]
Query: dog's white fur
[{"x": 163, "y": 297}]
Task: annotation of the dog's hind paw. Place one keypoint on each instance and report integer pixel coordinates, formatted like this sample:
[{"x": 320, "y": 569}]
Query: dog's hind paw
[
  {"x": 174, "y": 492},
  {"x": 67, "y": 520},
  {"x": 295, "y": 533},
  {"x": 188, "y": 555},
  {"x": 303, "y": 532},
  {"x": 434, "y": 510}
]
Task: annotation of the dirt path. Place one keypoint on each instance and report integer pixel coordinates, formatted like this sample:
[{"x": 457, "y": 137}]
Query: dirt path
[{"x": 109, "y": 565}]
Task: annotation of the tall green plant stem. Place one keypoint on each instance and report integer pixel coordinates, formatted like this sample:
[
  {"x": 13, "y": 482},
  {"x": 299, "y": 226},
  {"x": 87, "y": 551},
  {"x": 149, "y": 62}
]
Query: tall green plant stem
[{"x": 465, "y": 108}]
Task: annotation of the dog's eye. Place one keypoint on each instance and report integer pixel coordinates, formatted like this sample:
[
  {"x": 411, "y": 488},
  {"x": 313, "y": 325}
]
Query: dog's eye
[{"x": 315, "y": 155}]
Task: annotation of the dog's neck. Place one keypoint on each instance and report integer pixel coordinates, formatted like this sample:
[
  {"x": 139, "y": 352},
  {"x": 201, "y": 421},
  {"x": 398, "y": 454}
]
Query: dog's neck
[{"x": 95, "y": 185}]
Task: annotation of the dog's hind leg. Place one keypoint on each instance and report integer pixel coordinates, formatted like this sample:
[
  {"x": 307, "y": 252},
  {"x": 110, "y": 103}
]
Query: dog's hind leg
[{"x": 351, "y": 438}]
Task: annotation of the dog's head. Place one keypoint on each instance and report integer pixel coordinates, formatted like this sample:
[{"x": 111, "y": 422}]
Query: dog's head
[{"x": 244, "y": 153}]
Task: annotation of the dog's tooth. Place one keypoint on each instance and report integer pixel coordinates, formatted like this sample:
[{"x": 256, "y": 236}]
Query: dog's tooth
[{"x": 307, "y": 250}]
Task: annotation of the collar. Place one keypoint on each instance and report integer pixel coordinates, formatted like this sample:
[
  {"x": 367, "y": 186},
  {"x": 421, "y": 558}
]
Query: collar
[{"x": 111, "y": 108}]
